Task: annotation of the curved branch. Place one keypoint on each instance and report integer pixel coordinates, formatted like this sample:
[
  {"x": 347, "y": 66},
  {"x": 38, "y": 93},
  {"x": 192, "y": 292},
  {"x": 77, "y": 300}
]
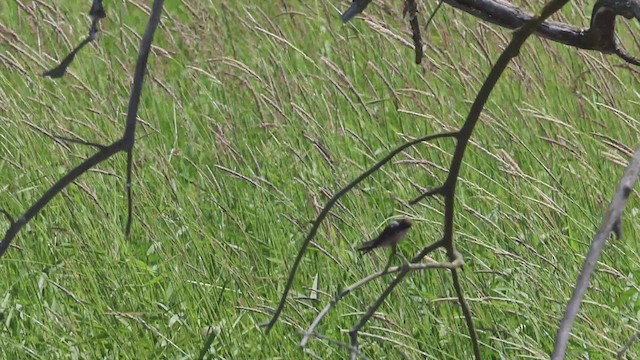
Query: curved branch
[
  {"x": 466, "y": 312},
  {"x": 54, "y": 190},
  {"x": 600, "y": 36},
  {"x": 316, "y": 224},
  {"x": 8, "y": 216},
  {"x": 431, "y": 192},
  {"x": 448, "y": 188}
]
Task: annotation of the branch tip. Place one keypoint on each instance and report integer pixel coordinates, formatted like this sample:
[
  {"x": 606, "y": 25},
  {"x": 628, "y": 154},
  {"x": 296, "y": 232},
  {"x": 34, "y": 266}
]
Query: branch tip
[
  {"x": 79, "y": 141},
  {"x": 431, "y": 192},
  {"x": 6, "y": 214}
]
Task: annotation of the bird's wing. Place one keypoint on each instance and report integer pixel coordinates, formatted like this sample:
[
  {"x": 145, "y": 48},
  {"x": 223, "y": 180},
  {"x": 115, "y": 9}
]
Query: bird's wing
[{"x": 385, "y": 234}]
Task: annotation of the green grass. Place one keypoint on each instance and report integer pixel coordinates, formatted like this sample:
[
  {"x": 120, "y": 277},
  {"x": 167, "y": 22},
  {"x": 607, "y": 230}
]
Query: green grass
[{"x": 240, "y": 98}]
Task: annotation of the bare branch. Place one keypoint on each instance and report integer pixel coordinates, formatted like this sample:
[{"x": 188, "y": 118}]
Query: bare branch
[
  {"x": 330, "y": 204},
  {"x": 455, "y": 263},
  {"x": 61, "y": 69},
  {"x": 431, "y": 192},
  {"x": 611, "y": 218},
  {"x": 337, "y": 342},
  {"x": 124, "y": 144},
  {"x": 346, "y": 291},
  {"x": 8, "y": 216},
  {"x": 447, "y": 189},
  {"x": 466, "y": 312},
  {"x": 627, "y": 57},
  {"x": 54, "y": 190},
  {"x": 78, "y": 141},
  {"x": 626, "y": 346},
  {"x": 411, "y": 8},
  {"x": 97, "y": 12},
  {"x": 600, "y": 36}
]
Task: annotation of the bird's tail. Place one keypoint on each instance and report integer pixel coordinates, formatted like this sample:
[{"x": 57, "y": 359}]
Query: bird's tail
[
  {"x": 366, "y": 247},
  {"x": 351, "y": 13}
]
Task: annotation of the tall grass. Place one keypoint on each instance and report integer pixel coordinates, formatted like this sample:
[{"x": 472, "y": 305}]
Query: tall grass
[{"x": 253, "y": 114}]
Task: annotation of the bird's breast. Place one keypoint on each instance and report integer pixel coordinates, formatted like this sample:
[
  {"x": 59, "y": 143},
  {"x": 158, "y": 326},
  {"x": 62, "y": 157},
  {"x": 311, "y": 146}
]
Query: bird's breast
[{"x": 395, "y": 239}]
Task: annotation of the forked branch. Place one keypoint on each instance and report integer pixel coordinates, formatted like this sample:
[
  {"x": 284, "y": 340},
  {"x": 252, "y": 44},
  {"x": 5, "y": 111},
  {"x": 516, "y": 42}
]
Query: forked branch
[
  {"x": 599, "y": 36},
  {"x": 447, "y": 190},
  {"x": 405, "y": 268},
  {"x": 97, "y": 12},
  {"x": 125, "y": 143},
  {"x": 325, "y": 211}
]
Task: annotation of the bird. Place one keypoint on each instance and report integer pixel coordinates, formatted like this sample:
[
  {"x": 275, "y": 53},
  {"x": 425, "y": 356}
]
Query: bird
[
  {"x": 389, "y": 237},
  {"x": 357, "y": 6}
]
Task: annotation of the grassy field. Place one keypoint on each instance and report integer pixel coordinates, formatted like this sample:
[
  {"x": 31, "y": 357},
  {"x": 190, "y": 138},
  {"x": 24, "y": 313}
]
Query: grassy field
[{"x": 252, "y": 115}]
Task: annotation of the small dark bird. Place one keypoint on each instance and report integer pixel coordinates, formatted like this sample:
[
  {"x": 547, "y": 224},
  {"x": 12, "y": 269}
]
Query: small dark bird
[
  {"x": 357, "y": 6},
  {"x": 389, "y": 237}
]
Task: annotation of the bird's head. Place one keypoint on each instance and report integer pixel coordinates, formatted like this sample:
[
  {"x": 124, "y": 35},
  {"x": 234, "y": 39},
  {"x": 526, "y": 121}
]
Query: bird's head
[{"x": 403, "y": 224}]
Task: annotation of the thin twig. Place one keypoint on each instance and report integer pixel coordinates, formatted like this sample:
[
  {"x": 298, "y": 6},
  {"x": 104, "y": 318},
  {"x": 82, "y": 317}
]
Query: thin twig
[
  {"x": 411, "y": 8},
  {"x": 78, "y": 141},
  {"x": 431, "y": 192},
  {"x": 626, "y": 346},
  {"x": 8, "y": 216},
  {"x": 337, "y": 342}
]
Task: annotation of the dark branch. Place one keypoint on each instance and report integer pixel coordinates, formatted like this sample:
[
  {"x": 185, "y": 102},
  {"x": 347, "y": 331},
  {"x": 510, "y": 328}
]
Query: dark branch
[
  {"x": 79, "y": 141},
  {"x": 411, "y": 8},
  {"x": 353, "y": 333},
  {"x": 447, "y": 189},
  {"x": 600, "y": 36},
  {"x": 97, "y": 12},
  {"x": 123, "y": 144},
  {"x": 54, "y": 190},
  {"x": 8, "y": 216},
  {"x": 327, "y": 208},
  {"x": 411, "y": 266},
  {"x": 431, "y": 192},
  {"x": 60, "y": 70}
]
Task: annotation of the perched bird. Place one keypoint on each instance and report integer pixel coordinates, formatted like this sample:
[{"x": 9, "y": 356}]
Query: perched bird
[
  {"x": 389, "y": 237},
  {"x": 357, "y": 6}
]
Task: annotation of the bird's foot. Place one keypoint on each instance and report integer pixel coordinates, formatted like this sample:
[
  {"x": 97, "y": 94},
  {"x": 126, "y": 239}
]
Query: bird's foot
[{"x": 405, "y": 261}]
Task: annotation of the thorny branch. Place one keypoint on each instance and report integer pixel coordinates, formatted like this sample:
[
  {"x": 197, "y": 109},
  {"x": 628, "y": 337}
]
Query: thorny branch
[
  {"x": 125, "y": 143},
  {"x": 447, "y": 189},
  {"x": 611, "y": 223}
]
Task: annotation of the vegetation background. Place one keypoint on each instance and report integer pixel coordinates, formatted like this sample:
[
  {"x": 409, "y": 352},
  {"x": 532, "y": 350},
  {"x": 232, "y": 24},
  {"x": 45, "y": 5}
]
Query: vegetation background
[{"x": 253, "y": 113}]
